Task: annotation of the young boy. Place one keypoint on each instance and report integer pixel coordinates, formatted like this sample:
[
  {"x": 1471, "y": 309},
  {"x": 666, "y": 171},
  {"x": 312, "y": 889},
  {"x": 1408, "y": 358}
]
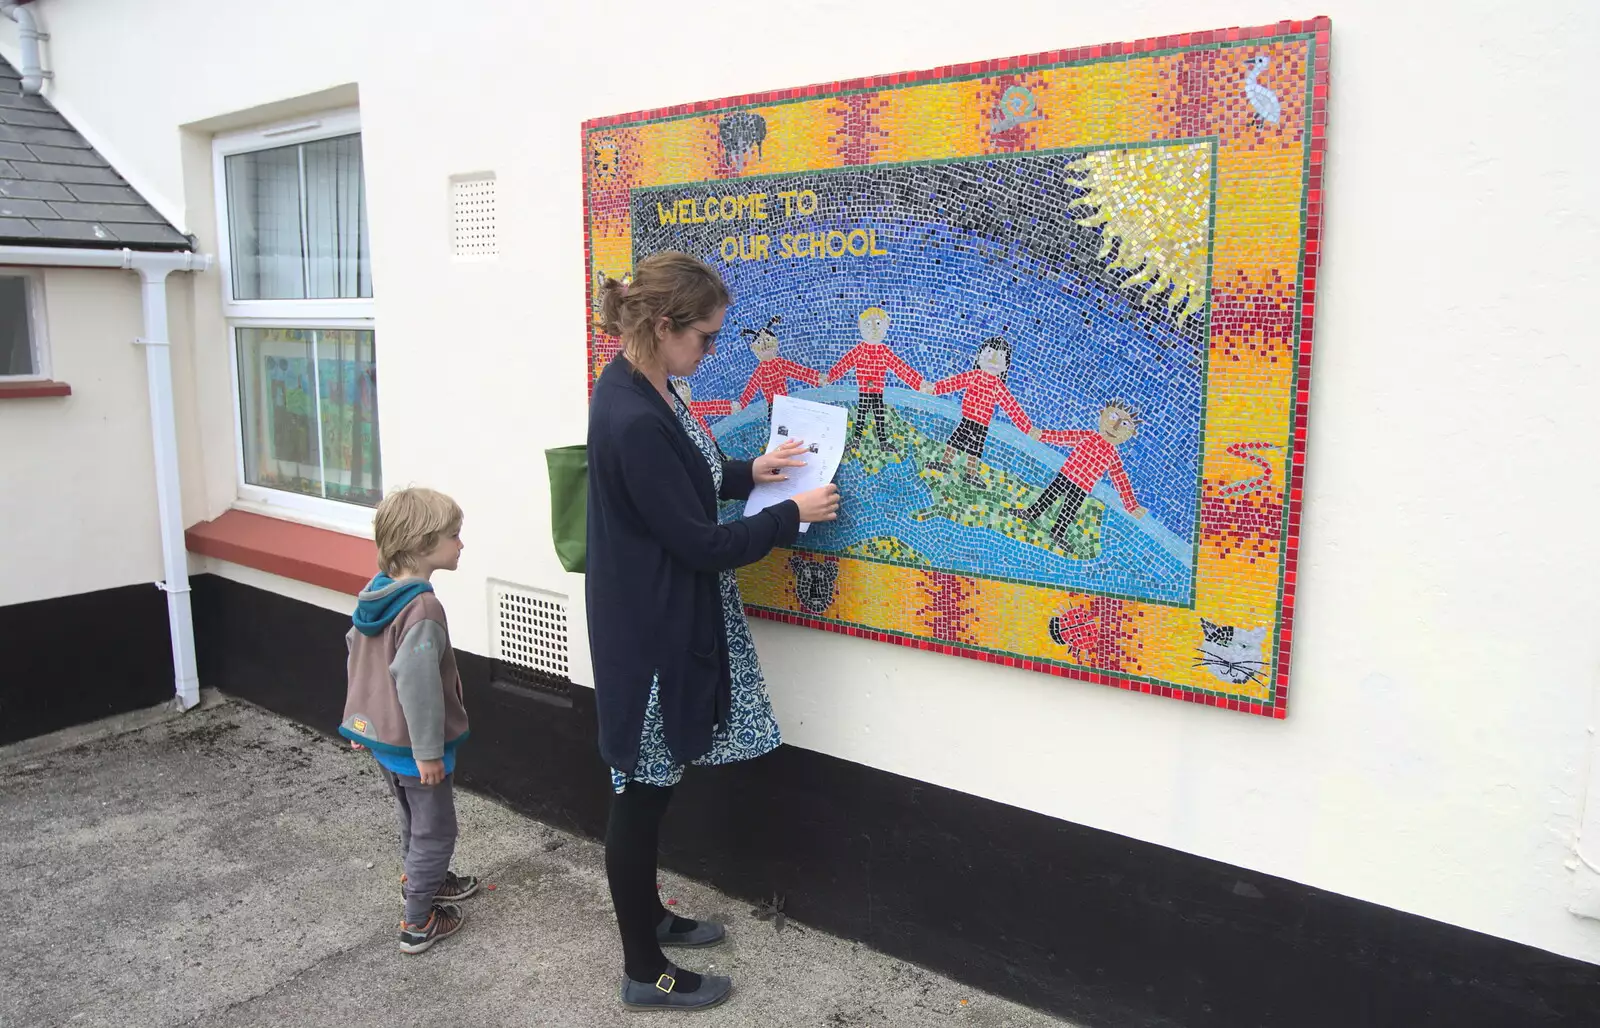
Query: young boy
[
  {"x": 1094, "y": 455},
  {"x": 872, "y": 360},
  {"x": 404, "y": 702}
]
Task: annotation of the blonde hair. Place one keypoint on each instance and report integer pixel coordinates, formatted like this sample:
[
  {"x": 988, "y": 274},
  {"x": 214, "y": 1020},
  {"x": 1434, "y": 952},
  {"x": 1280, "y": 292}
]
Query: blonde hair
[
  {"x": 409, "y": 524},
  {"x": 872, "y": 312},
  {"x": 671, "y": 285}
]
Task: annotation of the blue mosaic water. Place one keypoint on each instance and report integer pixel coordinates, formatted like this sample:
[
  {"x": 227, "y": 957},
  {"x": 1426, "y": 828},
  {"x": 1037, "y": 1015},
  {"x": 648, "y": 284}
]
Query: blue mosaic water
[
  {"x": 961, "y": 275},
  {"x": 1138, "y": 558}
]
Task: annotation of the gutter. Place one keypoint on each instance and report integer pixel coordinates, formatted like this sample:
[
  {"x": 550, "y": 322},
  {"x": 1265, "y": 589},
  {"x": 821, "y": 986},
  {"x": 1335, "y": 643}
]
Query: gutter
[{"x": 153, "y": 269}]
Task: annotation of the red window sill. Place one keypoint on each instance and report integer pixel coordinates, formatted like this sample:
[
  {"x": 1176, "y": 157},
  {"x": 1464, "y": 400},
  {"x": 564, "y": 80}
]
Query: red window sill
[
  {"x": 333, "y": 560},
  {"x": 28, "y": 390}
]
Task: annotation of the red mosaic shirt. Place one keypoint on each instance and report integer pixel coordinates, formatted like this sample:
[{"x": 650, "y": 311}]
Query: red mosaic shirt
[
  {"x": 771, "y": 379},
  {"x": 1092, "y": 457},
  {"x": 872, "y": 363},
  {"x": 983, "y": 393}
]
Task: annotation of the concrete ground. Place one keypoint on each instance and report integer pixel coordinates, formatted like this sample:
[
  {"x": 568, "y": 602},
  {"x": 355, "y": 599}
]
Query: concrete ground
[{"x": 227, "y": 867}]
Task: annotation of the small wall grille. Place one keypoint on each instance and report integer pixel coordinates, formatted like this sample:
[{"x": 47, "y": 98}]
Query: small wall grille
[
  {"x": 472, "y": 206},
  {"x": 530, "y": 634}
]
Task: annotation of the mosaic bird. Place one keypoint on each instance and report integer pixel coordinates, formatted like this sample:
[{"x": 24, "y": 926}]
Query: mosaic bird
[{"x": 1263, "y": 99}]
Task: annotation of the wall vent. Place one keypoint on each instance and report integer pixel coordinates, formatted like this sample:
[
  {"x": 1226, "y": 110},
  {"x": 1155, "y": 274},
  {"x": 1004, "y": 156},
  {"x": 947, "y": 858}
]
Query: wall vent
[
  {"x": 472, "y": 213},
  {"x": 530, "y": 642}
]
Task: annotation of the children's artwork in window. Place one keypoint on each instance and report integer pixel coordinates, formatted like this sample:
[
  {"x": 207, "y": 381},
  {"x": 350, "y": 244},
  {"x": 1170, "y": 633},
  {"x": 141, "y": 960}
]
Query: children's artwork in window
[{"x": 309, "y": 410}]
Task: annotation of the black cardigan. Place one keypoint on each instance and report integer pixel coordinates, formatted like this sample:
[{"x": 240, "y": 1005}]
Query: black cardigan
[{"x": 654, "y": 553}]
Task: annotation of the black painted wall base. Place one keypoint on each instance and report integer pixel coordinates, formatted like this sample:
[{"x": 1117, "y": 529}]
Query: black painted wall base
[
  {"x": 1099, "y": 928},
  {"x": 76, "y": 659}
]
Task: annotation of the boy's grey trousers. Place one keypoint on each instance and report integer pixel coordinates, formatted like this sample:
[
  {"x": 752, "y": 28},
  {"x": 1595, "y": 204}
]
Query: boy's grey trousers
[{"x": 427, "y": 837}]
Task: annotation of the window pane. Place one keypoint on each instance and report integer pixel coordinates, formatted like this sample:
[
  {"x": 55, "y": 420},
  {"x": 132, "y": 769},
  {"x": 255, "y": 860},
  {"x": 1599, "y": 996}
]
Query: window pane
[
  {"x": 308, "y": 402},
  {"x": 264, "y": 224},
  {"x": 297, "y": 222},
  {"x": 16, "y": 340},
  {"x": 338, "y": 263},
  {"x": 348, "y": 388}
]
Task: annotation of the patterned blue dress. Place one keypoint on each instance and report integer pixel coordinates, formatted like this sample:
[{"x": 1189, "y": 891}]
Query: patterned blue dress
[{"x": 751, "y": 730}]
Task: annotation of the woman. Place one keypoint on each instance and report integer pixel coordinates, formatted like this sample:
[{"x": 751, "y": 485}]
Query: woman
[{"x": 676, "y": 676}]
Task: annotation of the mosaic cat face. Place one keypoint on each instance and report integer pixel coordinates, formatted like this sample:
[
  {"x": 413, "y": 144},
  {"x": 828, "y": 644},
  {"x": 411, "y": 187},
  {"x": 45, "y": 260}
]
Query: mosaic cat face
[
  {"x": 814, "y": 582},
  {"x": 1232, "y": 654}
]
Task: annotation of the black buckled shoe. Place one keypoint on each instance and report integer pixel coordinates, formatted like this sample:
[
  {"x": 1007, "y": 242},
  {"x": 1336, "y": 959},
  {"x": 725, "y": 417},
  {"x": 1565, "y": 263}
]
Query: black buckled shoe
[
  {"x": 704, "y": 933},
  {"x": 663, "y": 994}
]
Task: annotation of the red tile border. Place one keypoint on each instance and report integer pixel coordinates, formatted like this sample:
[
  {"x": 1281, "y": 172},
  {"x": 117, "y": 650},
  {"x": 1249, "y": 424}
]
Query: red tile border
[
  {"x": 333, "y": 560},
  {"x": 33, "y": 390},
  {"x": 1319, "y": 25}
]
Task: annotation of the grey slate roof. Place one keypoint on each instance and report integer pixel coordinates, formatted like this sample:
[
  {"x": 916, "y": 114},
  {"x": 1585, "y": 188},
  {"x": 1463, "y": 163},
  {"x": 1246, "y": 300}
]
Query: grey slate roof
[{"x": 55, "y": 190}]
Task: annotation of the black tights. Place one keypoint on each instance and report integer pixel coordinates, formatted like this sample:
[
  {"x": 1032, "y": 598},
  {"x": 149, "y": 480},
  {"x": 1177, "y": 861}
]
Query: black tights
[{"x": 633, "y": 838}]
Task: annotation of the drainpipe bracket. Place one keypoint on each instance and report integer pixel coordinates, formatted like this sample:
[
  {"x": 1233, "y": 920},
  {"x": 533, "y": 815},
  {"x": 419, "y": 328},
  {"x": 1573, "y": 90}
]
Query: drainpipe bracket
[
  {"x": 151, "y": 342},
  {"x": 167, "y": 588}
]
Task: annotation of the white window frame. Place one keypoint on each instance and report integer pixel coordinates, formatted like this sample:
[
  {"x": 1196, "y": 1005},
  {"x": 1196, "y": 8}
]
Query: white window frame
[
  {"x": 38, "y": 339},
  {"x": 353, "y": 313}
]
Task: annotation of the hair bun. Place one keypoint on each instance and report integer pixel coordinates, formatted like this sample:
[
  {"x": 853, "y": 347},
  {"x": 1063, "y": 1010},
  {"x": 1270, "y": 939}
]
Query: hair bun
[{"x": 612, "y": 293}]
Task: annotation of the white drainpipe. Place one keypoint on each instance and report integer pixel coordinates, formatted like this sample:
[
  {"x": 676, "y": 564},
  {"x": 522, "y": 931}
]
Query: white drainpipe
[
  {"x": 28, "y": 34},
  {"x": 153, "y": 269}
]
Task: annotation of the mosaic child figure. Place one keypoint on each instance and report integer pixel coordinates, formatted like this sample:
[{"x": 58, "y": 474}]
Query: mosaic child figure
[
  {"x": 703, "y": 409},
  {"x": 872, "y": 361},
  {"x": 1093, "y": 455},
  {"x": 772, "y": 374},
  {"x": 984, "y": 389}
]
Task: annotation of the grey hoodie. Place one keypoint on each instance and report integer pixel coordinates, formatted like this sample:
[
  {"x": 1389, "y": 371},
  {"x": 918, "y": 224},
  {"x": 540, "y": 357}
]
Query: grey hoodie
[{"x": 404, "y": 693}]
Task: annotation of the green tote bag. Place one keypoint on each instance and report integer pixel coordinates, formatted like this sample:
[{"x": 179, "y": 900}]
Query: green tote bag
[{"x": 569, "y": 503}]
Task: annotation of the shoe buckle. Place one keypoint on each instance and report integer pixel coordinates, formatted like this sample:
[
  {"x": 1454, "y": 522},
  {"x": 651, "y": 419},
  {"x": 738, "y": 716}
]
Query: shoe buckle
[{"x": 666, "y": 983}]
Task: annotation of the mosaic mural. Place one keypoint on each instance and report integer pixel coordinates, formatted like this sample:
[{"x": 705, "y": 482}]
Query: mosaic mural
[{"x": 1066, "y": 299}]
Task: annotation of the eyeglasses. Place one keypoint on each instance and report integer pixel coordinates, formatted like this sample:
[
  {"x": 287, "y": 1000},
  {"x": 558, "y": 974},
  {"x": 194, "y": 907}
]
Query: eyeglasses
[{"x": 707, "y": 339}]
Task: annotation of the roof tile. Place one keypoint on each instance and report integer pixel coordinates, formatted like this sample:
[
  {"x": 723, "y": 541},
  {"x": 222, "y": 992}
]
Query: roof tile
[
  {"x": 66, "y": 173},
  {"x": 60, "y": 155},
  {"x": 26, "y": 209},
  {"x": 97, "y": 211},
  {"x": 96, "y": 194},
  {"x": 49, "y": 137},
  {"x": 79, "y": 232},
  {"x": 149, "y": 234},
  {"x": 39, "y": 119},
  {"x": 21, "y": 189},
  {"x": 18, "y": 228}
]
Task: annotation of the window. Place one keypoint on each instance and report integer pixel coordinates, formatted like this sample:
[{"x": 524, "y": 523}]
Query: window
[
  {"x": 22, "y": 352},
  {"x": 297, "y": 271}
]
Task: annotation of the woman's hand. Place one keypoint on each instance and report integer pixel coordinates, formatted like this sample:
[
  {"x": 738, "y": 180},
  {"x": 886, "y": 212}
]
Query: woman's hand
[
  {"x": 819, "y": 504},
  {"x": 769, "y": 466}
]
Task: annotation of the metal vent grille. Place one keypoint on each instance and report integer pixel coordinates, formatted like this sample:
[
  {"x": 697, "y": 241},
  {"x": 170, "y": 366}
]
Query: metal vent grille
[
  {"x": 531, "y": 629},
  {"x": 530, "y": 642},
  {"x": 472, "y": 208}
]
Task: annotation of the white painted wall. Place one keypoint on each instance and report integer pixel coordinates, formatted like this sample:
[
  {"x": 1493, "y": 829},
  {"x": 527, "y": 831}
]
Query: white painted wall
[
  {"x": 1435, "y": 754},
  {"x": 77, "y": 473}
]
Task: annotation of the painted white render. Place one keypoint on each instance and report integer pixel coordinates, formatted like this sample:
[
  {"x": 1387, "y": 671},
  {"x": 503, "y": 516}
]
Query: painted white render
[
  {"x": 77, "y": 473},
  {"x": 1436, "y": 753}
]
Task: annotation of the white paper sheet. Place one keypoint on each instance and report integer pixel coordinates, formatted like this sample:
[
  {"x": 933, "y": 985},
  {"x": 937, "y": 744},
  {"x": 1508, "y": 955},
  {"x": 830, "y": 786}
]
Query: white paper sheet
[{"x": 823, "y": 427}]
